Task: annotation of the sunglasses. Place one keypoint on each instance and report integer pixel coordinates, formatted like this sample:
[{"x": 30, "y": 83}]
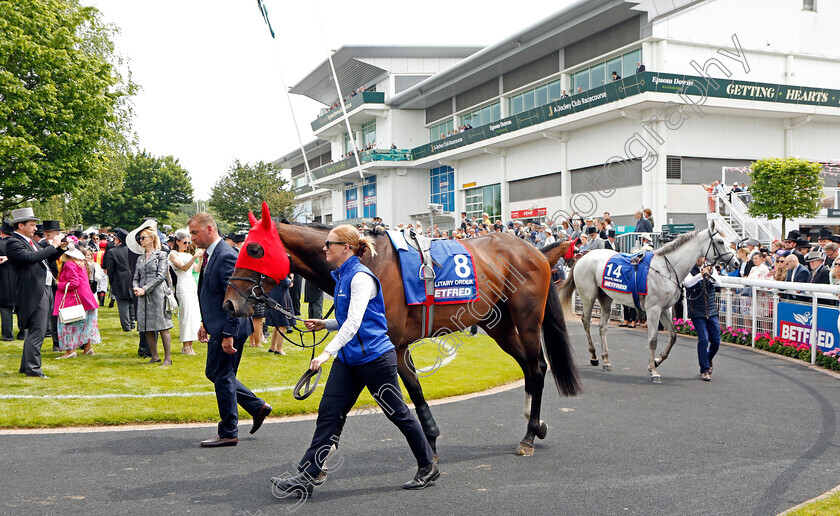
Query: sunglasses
[
  {"x": 330, "y": 242},
  {"x": 142, "y": 238}
]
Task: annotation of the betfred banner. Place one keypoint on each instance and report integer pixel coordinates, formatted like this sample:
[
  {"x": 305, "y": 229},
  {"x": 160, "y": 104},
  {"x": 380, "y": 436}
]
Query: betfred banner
[
  {"x": 524, "y": 214},
  {"x": 796, "y": 322}
]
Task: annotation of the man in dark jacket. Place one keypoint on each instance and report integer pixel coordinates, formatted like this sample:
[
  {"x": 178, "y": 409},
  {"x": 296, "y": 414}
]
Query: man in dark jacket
[
  {"x": 51, "y": 228},
  {"x": 819, "y": 272},
  {"x": 642, "y": 224},
  {"x": 120, "y": 273},
  {"x": 8, "y": 297},
  {"x": 703, "y": 312}
]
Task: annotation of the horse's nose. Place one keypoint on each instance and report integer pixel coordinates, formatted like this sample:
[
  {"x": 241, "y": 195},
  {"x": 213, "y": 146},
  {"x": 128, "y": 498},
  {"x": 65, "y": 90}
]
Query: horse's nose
[{"x": 229, "y": 308}]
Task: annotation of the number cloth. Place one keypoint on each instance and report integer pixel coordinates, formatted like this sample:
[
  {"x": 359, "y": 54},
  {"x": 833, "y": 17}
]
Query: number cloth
[
  {"x": 620, "y": 275},
  {"x": 454, "y": 279}
]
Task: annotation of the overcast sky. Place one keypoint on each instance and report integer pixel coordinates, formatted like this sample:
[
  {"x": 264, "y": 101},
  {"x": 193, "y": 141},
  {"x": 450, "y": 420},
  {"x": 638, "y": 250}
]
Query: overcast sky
[{"x": 212, "y": 86}]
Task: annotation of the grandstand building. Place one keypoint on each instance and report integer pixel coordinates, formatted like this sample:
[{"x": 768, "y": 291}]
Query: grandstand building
[{"x": 559, "y": 117}]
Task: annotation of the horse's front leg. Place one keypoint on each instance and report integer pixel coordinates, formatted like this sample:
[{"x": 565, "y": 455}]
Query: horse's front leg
[
  {"x": 668, "y": 324},
  {"x": 653, "y": 316},
  {"x": 408, "y": 374},
  {"x": 606, "y": 308}
]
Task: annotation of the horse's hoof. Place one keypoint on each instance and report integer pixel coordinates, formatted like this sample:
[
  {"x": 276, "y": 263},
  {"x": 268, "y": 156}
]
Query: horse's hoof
[
  {"x": 543, "y": 430},
  {"x": 525, "y": 450},
  {"x": 656, "y": 379},
  {"x": 607, "y": 367},
  {"x": 594, "y": 362}
]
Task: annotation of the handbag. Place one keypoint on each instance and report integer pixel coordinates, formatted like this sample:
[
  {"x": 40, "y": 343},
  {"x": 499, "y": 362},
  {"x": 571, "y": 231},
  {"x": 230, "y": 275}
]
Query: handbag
[
  {"x": 73, "y": 313},
  {"x": 170, "y": 300}
]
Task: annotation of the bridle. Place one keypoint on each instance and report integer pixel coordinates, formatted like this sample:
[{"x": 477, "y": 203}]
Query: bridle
[
  {"x": 718, "y": 255},
  {"x": 309, "y": 381}
]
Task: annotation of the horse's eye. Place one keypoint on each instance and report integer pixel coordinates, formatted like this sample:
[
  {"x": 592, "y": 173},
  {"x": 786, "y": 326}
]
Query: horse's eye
[{"x": 255, "y": 251}]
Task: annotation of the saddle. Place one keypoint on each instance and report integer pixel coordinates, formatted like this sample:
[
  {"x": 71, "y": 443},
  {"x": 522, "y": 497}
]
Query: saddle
[{"x": 423, "y": 245}]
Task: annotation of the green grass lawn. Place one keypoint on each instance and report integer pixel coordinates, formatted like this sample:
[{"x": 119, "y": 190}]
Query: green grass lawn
[
  {"x": 81, "y": 391},
  {"x": 829, "y": 506}
]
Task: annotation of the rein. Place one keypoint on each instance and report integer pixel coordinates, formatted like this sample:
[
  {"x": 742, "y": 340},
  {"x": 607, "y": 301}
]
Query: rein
[{"x": 257, "y": 295}]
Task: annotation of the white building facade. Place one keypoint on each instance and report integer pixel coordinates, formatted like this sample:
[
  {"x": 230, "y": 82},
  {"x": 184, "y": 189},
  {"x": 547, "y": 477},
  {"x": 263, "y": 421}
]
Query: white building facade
[{"x": 726, "y": 82}]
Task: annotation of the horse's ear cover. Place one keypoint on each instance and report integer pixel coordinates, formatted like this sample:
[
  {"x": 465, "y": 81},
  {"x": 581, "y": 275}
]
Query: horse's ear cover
[{"x": 275, "y": 261}]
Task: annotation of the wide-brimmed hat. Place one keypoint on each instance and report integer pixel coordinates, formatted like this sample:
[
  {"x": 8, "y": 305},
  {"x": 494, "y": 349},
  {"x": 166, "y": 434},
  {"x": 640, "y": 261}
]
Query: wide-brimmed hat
[
  {"x": 52, "y": 225},
  {"x": 74, "y": 252},
  {"x": 814, "y": 255},
  {"x": 22, "y": 215},
  {"x": 131, "y": 238}
]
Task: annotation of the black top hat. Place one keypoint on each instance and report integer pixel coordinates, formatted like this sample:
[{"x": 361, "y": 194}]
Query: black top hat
[
  {"x": 835, "y": 239},
  {"x": 79, "y": 234},
  {"x": 7, "y": 227},
  {"x": 52, "y": 225},
  {"x": 803, "y": 242},
  {"x": 121, "y": 234},
  {"x": 825, "y": 234},
  {"x": 39, "y": 227},
  {"x": 238, "y": 237},
  {"x": 611, "y": 233},
  {"x": 591, "y": 229},
  {"x": 793, "y": 235}
]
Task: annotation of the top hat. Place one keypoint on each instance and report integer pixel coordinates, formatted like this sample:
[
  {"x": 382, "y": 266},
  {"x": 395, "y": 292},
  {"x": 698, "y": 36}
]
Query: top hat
[
  {"x": 52, "y": 225},
  {"x": 7, "y": 227},
  {"x": 793, "y": 235},
  {"x": 825, "y": 234},
  {"x": 591, "y": 229},
  {"x": 611, "y": 233},
  {"x": 835, "y": 239},
  {"x": 121, "y": 234},
  {"x": 803, "y": 242},
  {"x": 79, "y": 234},
  {"x": 238, "y": 237},
  {"x": 22, "y": 215},
  {"x": 131, "y": 239}
]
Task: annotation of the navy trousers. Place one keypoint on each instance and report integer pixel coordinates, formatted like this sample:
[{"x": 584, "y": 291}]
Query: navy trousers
[
  {"x": 221, "y": 370},
  {"x": 708, "y": 339},
  {"x": 343, "y": 388}
]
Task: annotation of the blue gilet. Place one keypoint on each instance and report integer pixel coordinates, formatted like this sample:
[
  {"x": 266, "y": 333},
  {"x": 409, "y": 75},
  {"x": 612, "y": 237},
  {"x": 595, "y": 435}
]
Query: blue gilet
[{"x": 371, "y": 341}]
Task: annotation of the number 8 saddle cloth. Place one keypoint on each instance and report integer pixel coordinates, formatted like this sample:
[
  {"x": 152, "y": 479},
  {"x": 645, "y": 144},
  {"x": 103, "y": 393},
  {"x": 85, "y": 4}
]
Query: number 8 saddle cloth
[{"x": 621, "y": 274}]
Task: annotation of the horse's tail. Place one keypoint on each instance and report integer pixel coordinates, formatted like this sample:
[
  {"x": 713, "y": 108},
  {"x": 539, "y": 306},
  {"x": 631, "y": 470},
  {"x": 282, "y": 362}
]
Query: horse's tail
[
  {"x": 567, "y": 290},
  {"x": 557, "y": 346}
]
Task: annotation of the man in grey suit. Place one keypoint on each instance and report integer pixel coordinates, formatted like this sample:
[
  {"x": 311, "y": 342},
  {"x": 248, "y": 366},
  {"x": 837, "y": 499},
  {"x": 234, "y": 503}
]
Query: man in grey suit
[{"x": 34, "y": 285}]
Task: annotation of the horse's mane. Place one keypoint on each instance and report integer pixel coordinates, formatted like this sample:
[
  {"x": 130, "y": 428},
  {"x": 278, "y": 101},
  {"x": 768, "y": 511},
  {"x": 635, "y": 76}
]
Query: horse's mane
[
  {"x": 549, "y": 247},
  {"x": 675, "y": 244},
  {"x": 379, "y": 230}
]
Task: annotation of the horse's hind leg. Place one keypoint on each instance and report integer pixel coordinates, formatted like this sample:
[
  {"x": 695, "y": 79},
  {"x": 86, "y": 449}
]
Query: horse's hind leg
[
  {"x": 408, "y": 374},
  {"x": 668, "y": 324},
  {"x": 652, "y": 327},
  {"x": 606, "y": 307},
  {"x": 588, "y": 302}
]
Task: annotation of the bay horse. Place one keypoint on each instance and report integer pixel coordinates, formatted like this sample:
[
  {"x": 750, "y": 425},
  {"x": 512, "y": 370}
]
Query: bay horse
[
  {"x": 517, "y": 306},
  {"x": 669, "y": 266}
]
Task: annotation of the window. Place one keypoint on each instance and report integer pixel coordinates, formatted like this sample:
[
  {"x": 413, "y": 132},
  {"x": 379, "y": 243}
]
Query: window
[
  {"x": 542, "y": 95},
  {"x": 597, "y": 75},
  {"x": 369, "y": 197},
  {"x": 484, "y": 199},
  {"x": 516, "y": 105},
  {"x": 482, "y": 116},
  {"x": 369, "y": 134},
  {"x": 582, "y": 80},
  {"x": 348, "y": 145},
  {"x": 673, "y": 168},
  {"x": 351, "y": 202},
  {"x": 443, "y": 187},
  {"x": 629, "y": 61},
  {"x": 436, "y": 132},
  {"x": 614, "y": 65},
  {"x": 554, "y": 91},
  {"x": 528, "y": 100}
]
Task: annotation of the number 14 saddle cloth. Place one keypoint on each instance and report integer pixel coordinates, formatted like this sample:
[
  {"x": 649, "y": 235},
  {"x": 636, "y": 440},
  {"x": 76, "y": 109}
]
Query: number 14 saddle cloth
[{"x": 621, "y": 274}]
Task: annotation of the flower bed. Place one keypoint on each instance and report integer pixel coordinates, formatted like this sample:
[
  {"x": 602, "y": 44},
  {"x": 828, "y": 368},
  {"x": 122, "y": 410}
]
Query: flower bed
[{"x": 765, "y": 341}]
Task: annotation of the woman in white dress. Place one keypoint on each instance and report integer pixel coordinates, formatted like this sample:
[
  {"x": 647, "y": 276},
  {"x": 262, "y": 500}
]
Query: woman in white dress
[{"x": 183, "y": 260}]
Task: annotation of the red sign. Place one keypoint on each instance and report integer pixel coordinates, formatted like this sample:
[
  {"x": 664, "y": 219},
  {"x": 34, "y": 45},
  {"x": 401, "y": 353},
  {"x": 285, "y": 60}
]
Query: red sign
[{"x": 524, "y": 214}]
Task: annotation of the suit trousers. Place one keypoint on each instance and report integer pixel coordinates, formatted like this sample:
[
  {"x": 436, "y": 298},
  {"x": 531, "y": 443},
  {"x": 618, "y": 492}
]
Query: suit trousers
[
  {"x": 36, "y": 326},
  {"x": 343, "y": 388},
  {"x": 221, "y": 370},
  {"x": 316, "y": 307},
  {"x": 126, "y": 309},
  {"x": 6, "y": 331}
]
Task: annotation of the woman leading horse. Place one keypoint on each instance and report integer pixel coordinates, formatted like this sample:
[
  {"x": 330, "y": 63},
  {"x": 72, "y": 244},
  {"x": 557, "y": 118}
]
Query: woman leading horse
[{"x": 516, "y": 305}]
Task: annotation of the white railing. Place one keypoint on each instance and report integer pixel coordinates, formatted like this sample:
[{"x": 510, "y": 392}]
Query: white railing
[
  {"x": 753, "y": 305},
  {"x": 630, "y": 242}
]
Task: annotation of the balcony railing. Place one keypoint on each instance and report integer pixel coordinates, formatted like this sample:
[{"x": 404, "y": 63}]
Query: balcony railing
[
  {"x": 348, "y": 163},
  {"x": 365, "y": 97}
]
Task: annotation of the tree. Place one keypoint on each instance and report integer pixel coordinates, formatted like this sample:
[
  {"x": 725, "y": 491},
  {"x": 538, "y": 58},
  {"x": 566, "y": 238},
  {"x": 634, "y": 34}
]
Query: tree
[
  {"x": 786, "y": 188},
  {"x": 63, "y": 102},
  {"x": 245, "y": 187},
  {"x": 153, "y": 187}
]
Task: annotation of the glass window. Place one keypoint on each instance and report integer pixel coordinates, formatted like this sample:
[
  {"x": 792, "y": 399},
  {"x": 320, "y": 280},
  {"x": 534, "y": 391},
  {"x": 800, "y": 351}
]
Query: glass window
[
  {"x": 474, "y": 203},
  {"x": 495, "y": 111},
  {"x": 614, "y": 65},
  {"x": 443, "y": 191},
  {"x": 629, "y": 61},
  {"x": 542, "y": 95},
  {"x": 347, "y": 145},
  {"x": 582, "y": 81},
  {"x": 369, "y": 196},
  {"x": 369, "y": 134},
  {"x": 351, "y": 201},
  {"x": 485, "y": 116},
  {"x": 516, "y": 104},
  {"x": 528, "y": 100},
  {"x": 436, "y": 132},
  {"x": 554, "y": 91},
  {"x": 597, "y": 75},
  {"x": 467, "y": 119}
]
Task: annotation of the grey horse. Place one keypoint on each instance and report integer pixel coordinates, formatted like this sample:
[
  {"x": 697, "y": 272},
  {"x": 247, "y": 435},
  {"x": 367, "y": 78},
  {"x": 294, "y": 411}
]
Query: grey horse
[{"x": 669, "y": 266}]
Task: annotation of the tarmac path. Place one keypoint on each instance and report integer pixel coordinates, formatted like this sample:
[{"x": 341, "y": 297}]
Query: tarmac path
[{"x": 759, "y": 438}]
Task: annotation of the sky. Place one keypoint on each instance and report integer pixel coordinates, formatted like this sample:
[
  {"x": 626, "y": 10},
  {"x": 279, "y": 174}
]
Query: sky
[{"x": 212, "y": 78}]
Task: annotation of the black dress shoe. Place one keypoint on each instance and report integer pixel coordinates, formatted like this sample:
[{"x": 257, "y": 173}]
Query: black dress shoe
[
  {"x": 424, "y": 477},
  {"x": 217, "y": 441},
  {"x": 260, "y": 417},
  {"x": 299, "y": 485}
]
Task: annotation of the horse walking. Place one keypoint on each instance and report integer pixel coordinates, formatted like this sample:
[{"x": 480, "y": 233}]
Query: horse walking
[
  {"x": 517, "y": 306},
  {"x": 669, "y": 266}
]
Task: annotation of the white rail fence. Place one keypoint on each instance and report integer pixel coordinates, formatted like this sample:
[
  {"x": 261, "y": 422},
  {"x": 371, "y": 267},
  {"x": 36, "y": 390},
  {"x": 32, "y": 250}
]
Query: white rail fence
[{"x": 754, "y": 305}]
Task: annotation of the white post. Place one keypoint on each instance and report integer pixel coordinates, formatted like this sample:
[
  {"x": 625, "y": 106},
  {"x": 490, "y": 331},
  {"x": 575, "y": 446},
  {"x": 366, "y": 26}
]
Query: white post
[
  {"x": 685, "y": 305},
  {"x": 729, "y": 307},
  {"x": 775, "y": 314},
  {"x": 754, "y": 312},
  {"x": 814, "y": 328}
]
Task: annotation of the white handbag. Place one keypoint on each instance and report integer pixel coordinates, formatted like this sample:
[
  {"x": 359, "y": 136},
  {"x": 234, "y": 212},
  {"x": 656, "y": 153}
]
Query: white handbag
[{"x": 73, "y": 313}]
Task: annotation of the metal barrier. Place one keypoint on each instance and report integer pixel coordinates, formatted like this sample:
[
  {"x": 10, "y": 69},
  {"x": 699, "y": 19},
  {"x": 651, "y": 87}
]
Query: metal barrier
[{"x": 753, "y": 305}]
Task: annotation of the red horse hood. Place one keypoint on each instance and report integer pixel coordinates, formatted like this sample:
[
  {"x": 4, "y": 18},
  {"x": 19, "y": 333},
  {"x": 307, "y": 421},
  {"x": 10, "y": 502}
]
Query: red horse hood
[{"x": 273, "y": 260}]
